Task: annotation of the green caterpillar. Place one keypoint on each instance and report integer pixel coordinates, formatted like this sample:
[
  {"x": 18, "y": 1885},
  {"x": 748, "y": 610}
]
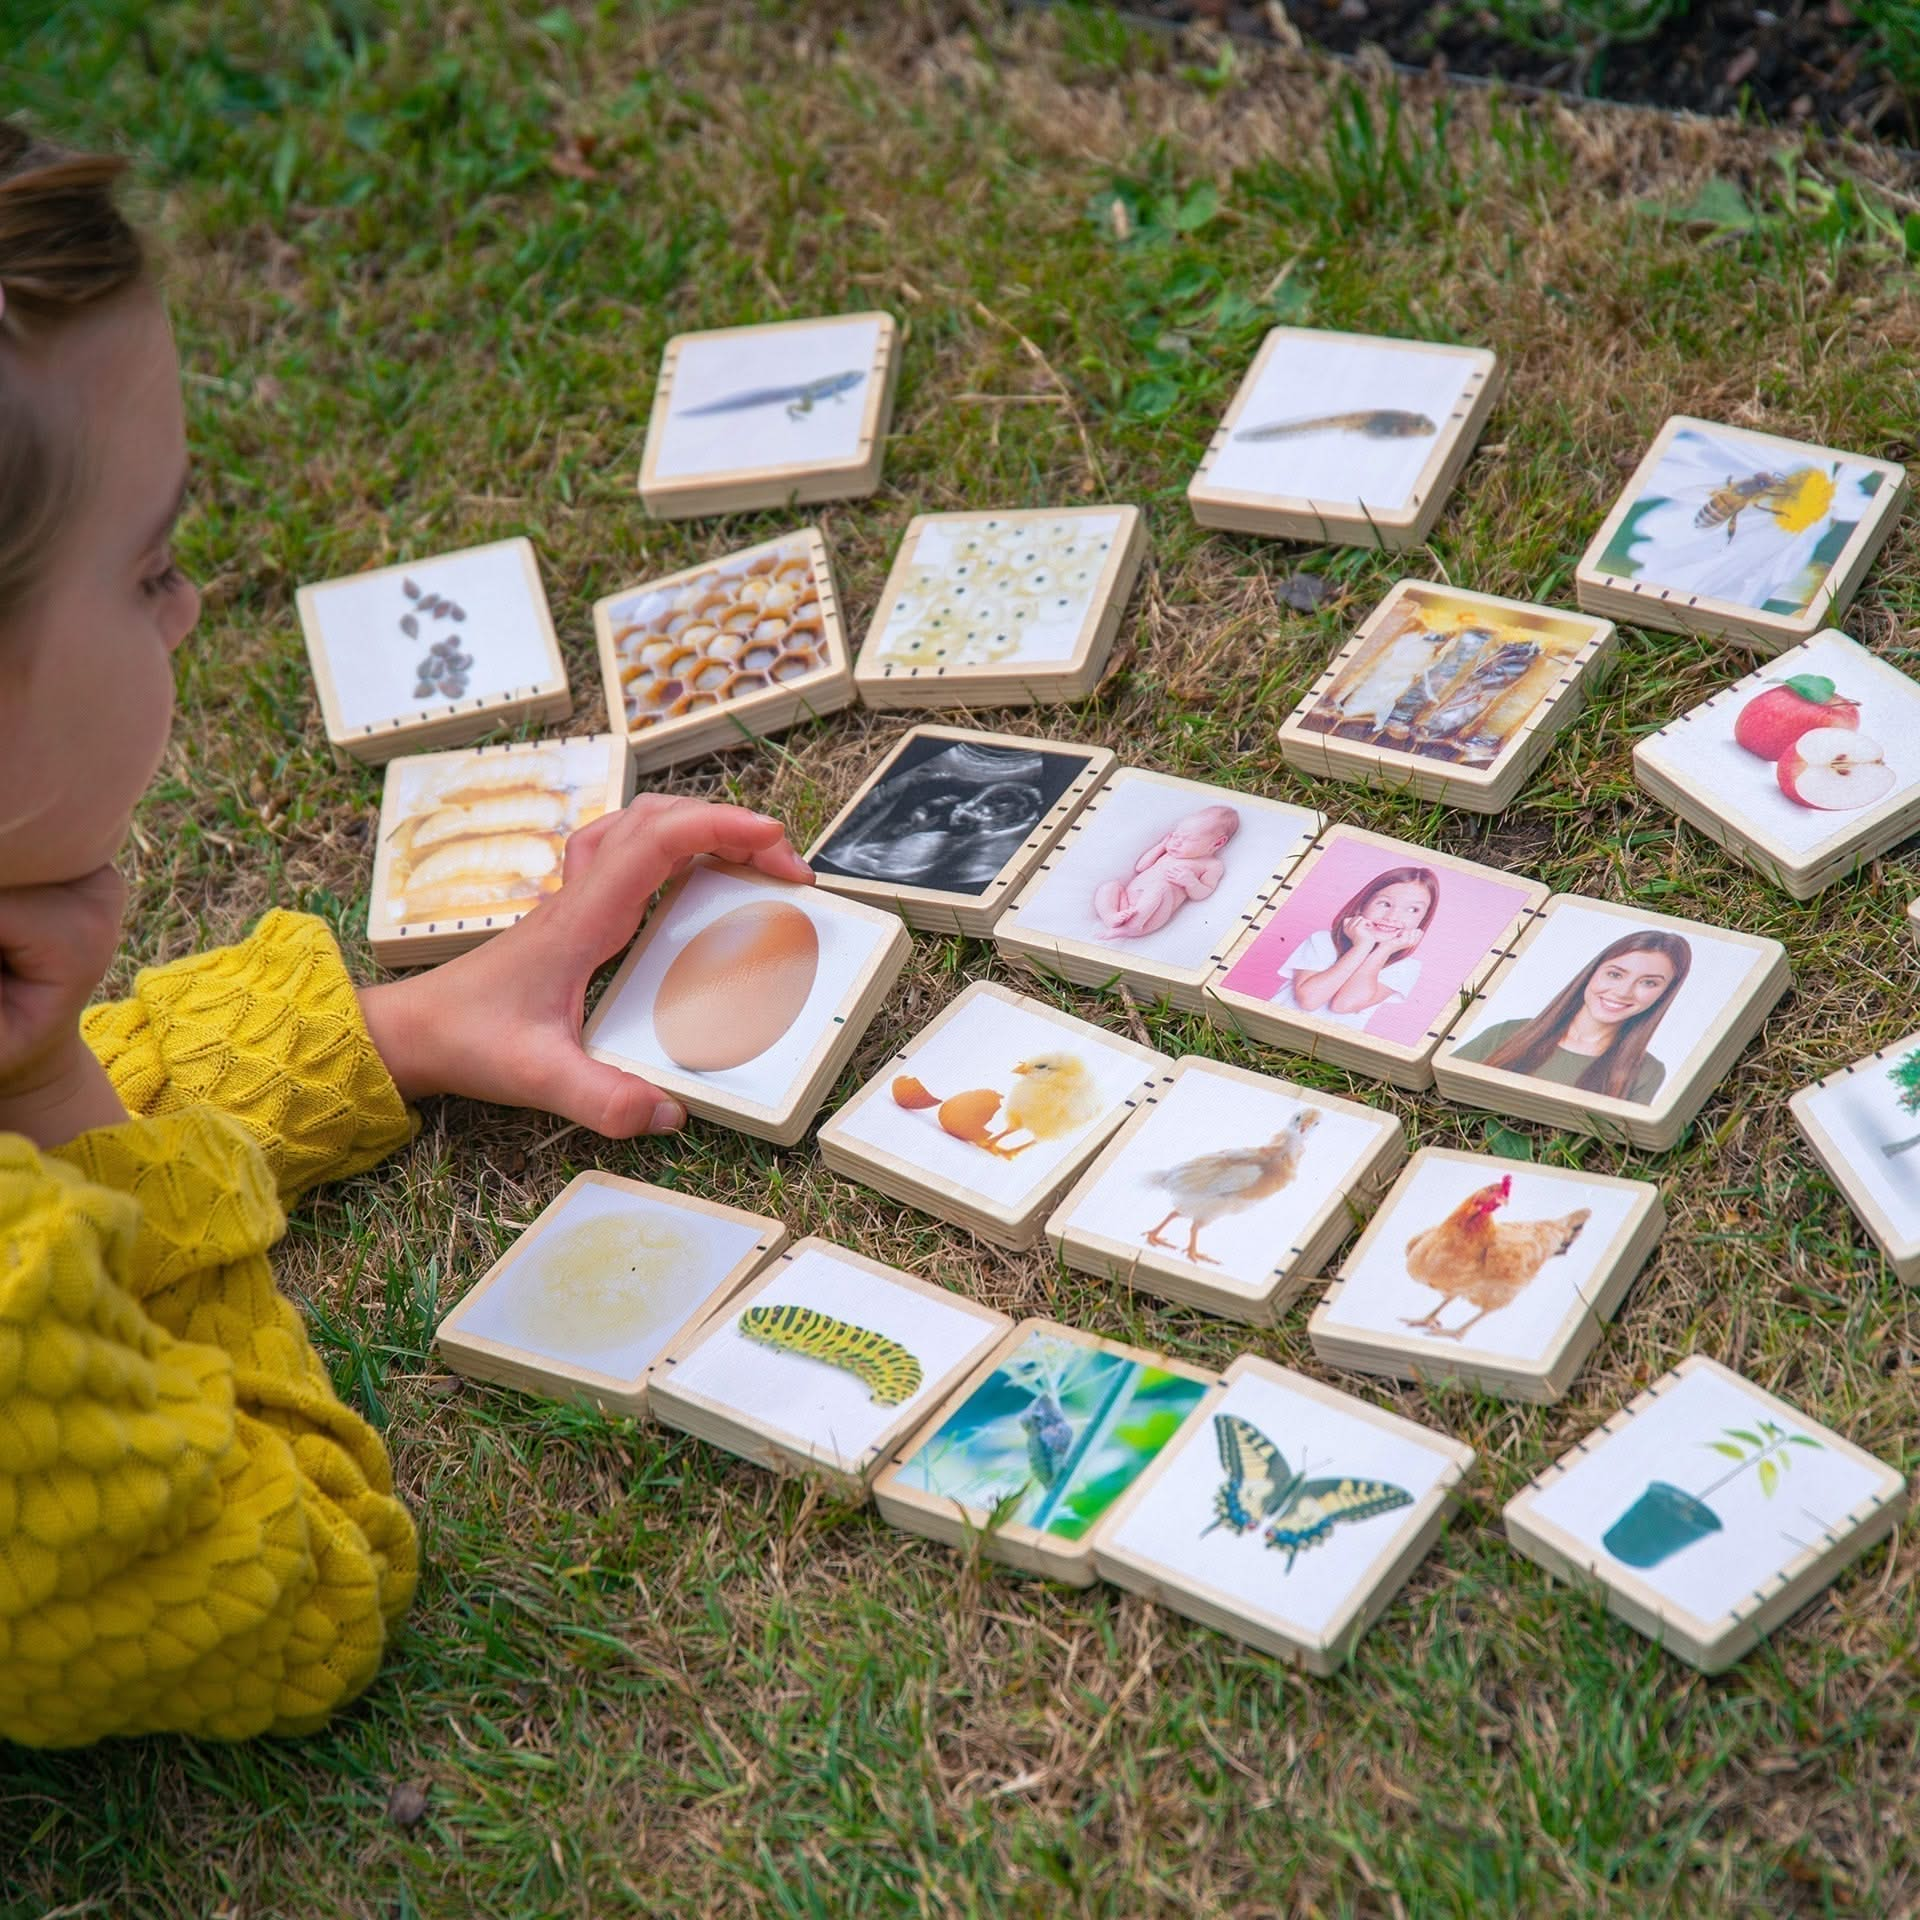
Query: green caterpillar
[{"x": 889, "y": 1370}]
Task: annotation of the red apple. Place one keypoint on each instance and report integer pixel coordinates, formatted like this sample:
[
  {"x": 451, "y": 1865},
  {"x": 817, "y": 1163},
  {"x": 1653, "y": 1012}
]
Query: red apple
[
  {"x": 1772, "y": 721},
  {"x": 1835, "y": 770}
]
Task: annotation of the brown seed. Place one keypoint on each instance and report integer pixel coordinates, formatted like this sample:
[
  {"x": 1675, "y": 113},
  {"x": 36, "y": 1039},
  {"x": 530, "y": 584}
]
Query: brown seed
[
  {"x": 410, "y": 626},
  {"x": 409, "y": 589}
]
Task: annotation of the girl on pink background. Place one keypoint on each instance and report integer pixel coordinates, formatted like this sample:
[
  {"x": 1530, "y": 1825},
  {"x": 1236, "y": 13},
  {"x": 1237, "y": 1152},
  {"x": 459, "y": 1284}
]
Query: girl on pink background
[
  {"x": 1347, "y": 972},
  {"x": 1183, "y": 864}
]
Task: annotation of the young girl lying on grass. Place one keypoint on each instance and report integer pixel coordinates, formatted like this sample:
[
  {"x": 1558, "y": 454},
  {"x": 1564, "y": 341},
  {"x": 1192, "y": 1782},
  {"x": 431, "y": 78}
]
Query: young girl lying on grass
[{"x": 195, "y": 1535}]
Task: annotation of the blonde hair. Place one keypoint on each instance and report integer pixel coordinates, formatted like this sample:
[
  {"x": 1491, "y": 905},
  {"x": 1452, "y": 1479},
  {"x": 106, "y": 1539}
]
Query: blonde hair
[{"x": 64, "y": 248}]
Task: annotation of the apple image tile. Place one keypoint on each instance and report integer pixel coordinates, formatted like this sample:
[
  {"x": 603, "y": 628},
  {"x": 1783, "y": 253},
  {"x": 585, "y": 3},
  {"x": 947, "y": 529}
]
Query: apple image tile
[{"x": 1811, "y": 733}]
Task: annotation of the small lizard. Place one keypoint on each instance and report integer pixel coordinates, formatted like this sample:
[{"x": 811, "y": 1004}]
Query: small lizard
[
  {"x": 800, "y": 400},
  {"x": 1382, "y": 423}
]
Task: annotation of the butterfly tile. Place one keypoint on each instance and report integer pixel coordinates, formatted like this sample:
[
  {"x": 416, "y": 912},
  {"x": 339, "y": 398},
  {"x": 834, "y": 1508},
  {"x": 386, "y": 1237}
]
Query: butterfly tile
[{"x": 1284, "y": 1513}]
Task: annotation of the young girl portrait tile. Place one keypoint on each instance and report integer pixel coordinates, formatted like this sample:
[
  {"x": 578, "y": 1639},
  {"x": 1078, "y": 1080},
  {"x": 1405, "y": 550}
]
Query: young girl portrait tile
[{"x": 1378, "y": 938}]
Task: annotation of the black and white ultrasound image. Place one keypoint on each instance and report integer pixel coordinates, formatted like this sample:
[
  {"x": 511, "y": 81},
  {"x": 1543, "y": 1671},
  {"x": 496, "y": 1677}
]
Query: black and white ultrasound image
[{"x": 949, "y": 815}]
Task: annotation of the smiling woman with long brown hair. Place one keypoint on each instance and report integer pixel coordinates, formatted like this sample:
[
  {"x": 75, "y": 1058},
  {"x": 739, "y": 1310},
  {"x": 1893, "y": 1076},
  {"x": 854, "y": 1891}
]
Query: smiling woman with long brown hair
[{"x": 1593, "y": 1034}]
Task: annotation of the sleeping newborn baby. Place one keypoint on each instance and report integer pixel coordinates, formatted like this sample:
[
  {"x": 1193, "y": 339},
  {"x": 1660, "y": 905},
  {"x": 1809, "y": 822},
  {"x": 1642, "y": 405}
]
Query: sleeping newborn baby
[{"x": 1183, "y": 864}]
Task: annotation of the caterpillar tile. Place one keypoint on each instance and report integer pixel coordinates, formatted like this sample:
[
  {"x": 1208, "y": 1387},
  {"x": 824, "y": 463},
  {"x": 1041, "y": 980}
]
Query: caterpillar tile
[{"x": 822, "y": 1363}]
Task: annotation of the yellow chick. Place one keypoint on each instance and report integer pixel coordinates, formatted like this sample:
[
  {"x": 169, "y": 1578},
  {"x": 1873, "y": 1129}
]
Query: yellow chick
[{"x": 1053, "y": 1095}]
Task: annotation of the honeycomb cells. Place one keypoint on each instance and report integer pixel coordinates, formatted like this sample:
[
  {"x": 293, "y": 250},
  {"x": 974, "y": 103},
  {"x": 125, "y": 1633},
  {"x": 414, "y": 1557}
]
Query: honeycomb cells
[
  {"x": 749, "y": 623},
  {"x": 1008, "y": 590}
]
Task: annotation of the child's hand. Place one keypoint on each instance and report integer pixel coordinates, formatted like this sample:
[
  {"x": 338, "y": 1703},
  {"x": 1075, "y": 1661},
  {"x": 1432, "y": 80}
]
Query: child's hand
[
  {"x": 503, "y": 1023},
  {"x": 55, "y": 944}
]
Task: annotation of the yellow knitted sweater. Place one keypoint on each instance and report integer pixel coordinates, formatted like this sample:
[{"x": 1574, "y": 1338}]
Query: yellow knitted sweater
[{"x": 195, "y": 1535}]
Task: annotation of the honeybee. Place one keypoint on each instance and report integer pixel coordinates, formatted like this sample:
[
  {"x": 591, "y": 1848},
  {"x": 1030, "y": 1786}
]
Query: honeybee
[{"x": 1758, "y": 492}]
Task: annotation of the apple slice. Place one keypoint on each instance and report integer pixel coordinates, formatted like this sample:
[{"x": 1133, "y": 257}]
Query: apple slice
[{"x": 1834, "y": 770}]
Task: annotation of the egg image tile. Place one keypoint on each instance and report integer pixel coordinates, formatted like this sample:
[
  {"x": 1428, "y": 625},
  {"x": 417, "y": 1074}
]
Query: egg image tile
[{"x": 737, "y": 986}]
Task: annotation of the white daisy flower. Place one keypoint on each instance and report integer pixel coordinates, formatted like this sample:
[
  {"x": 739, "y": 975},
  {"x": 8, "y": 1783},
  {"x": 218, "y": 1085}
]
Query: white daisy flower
[{"x": 1741, "y": 520}]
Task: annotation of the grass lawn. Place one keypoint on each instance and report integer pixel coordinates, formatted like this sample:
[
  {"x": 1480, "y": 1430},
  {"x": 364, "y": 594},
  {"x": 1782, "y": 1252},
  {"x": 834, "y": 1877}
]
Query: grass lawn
[{"x": 422, "y": 260}]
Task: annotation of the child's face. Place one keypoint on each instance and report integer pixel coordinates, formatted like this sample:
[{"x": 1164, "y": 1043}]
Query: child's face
[
  {"x": 86, "y": 678},
  {"x": 1400, "y": 908},
  {"x": 1627, "y": 984}
]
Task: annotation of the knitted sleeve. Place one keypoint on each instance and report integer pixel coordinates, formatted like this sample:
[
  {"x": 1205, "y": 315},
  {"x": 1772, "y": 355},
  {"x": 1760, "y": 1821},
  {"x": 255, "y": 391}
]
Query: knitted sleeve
[
  {"x": 269, "y": 1032},
  {"x": 195, "y": 1535}
]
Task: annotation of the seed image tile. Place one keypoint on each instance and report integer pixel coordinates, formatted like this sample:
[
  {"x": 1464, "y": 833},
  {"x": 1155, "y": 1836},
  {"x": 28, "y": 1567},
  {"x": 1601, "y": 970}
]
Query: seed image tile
[
  {"x": 1054, "y": 1436},
  {"x": 406, "y": 640}
]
